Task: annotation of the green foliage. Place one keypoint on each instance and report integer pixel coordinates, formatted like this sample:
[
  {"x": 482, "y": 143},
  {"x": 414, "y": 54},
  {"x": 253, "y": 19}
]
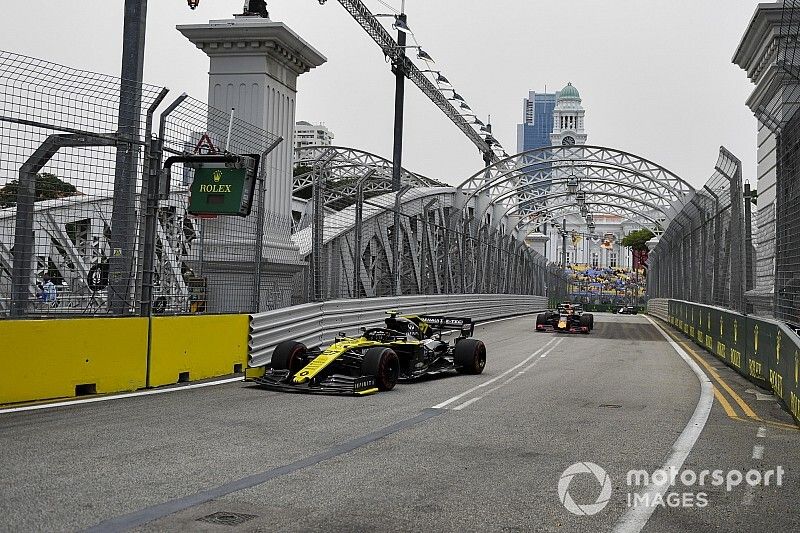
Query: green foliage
[
  {"x": 48, "y": 187},
  {"x": 638, "y": 239}
]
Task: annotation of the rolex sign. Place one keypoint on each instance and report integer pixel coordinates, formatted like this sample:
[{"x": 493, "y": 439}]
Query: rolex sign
[{"x": 223, "y": 188}]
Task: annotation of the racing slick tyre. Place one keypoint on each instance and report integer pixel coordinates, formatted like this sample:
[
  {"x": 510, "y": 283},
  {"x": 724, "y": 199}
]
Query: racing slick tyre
[
  {"x": 289, "y": 355},
  {"x": 384, "y": 364},
  {"x": 469, "y": 355},
  {"x": 591, "y": 321},
  {"x": 541, "y": 320},
  {"x": 587, "y": 322}
]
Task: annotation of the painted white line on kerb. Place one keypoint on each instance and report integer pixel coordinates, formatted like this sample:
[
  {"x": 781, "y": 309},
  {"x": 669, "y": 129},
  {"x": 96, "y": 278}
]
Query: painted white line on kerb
[
  {"x": 490, "y": 381},
  {"x": 635, "y": 518},
  {"x": 758, "y": 452},
  {"x": 762, "y": 432},
  {"x": 119, "y": 396}
]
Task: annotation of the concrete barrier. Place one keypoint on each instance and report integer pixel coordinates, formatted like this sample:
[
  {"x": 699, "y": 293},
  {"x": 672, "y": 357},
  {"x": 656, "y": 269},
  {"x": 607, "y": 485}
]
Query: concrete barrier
[
  {"x": 62, "y": 358},
  {"x": 189, "y": 348}
]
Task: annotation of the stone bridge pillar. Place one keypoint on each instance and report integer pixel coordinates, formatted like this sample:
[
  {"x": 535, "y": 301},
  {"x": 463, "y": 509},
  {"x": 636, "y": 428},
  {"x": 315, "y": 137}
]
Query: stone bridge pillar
[{"x": 254, "y": 66}]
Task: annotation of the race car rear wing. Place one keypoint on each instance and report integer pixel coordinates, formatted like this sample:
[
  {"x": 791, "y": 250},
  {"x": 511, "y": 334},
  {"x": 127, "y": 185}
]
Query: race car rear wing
[{"x": 464, "y": 325}]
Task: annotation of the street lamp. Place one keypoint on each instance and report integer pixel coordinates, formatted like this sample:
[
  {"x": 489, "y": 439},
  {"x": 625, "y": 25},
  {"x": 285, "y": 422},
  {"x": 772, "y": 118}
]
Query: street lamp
[
  {"x": 580, "y": 198},
  {"x": 572, "y": 184},
  {"x": 584, "y": 210}
]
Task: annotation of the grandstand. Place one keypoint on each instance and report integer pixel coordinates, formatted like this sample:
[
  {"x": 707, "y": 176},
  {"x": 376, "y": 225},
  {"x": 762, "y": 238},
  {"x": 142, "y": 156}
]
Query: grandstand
[{"x": 607, "y": 285}]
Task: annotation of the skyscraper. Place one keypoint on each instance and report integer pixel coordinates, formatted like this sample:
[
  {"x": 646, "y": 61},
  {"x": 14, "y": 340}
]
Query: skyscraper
[{"x": 537, "y": 121}]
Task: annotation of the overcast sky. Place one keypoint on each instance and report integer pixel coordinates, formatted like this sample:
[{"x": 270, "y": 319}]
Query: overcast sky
[{"x": 655, "y": 76}]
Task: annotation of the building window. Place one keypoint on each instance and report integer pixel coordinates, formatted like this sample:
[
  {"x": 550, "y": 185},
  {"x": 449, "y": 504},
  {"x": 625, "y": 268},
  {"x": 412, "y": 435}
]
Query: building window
[
  {"x": 595, "y": 260},
  {"x": 612, "y": 259}
]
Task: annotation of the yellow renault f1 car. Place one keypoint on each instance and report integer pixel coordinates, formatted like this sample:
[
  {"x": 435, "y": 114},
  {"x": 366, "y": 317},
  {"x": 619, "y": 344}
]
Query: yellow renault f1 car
[{"x": 408, "y": 347}]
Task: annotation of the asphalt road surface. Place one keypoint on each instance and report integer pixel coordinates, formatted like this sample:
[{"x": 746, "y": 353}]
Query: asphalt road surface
[{"x": 493, "y": 452}]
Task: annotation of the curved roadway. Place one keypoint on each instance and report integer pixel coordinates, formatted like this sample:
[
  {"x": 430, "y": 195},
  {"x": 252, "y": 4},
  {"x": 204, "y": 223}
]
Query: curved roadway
[{"x": 463, "y": 453}]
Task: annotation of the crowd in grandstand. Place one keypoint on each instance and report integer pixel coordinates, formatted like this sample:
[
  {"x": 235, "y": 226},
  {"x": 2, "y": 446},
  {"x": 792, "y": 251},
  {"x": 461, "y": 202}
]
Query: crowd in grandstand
[{"x": 606, "y": 284}]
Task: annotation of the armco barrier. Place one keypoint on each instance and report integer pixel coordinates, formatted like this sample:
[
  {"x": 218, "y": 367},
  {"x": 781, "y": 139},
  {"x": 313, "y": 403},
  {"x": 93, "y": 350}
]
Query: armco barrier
[
  {"x": 44, "y": 359},
  {"x": 317, "y": 323},
  {"x": 765, "y": 351},
  {"x": 188, "y": 348}
]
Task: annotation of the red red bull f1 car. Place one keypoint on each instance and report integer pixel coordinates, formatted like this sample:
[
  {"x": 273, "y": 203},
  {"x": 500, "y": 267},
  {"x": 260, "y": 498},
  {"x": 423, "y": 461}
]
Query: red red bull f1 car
[{"x": 568, "y": 318}]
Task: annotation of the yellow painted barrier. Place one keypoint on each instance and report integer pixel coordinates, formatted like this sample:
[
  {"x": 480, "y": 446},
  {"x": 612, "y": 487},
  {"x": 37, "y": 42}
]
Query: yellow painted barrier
[
  {"x": 189, "y": 348},
  {"x": 57, "y": 358}
]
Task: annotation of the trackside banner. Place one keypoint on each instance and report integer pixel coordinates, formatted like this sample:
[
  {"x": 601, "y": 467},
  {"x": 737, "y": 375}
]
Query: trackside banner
[{"x": 765, "y": 351}]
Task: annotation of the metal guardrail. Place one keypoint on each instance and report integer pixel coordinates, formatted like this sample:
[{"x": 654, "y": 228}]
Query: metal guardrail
[{"x": 316, "y": 323}]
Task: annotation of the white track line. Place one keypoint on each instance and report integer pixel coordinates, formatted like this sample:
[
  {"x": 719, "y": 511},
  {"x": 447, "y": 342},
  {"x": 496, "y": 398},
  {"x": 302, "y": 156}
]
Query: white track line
[
  {"x": 463, "y": 405},
  {"x": 758, "y": 452},
  {"x": 119, "y": 396},
  {"x": 521, "y": 372},
  {"x": 635, "y": 518},
  {"x": 490, "y": 381}
]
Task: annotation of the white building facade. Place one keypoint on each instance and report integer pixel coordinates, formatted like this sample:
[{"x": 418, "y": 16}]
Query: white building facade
[
  {"x": 307, "y": 134},
  {"x": 603, "y": 247}
]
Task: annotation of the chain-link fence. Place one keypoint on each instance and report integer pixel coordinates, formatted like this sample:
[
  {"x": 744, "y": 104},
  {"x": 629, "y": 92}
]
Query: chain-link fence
[
  {"x": 97, "y": 218},
  {"x": 703, "y": 254},
  {"x": 71, "y": 166},
  {"x": 214, "y": 263},
  {"x": 90, "y": 224}
]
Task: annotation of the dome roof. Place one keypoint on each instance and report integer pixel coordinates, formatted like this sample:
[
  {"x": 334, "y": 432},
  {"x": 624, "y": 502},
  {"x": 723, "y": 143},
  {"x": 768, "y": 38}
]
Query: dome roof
[{"x": 569, "y": 93}]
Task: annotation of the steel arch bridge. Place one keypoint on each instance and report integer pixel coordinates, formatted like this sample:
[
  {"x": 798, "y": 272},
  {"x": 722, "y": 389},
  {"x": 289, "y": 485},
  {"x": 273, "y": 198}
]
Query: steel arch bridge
[
  {"x": 533, "y": 187},
  {"x": 463, "y": 239}
]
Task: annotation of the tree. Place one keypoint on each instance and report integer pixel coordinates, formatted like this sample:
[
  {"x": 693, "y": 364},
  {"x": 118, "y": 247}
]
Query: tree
[
  {"x": 637, "y": 240},
  {"x": 48, "y": 187}
]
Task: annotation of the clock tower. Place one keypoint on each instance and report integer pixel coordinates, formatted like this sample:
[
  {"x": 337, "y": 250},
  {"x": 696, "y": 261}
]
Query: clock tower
[{"x": 568, "y": 118}]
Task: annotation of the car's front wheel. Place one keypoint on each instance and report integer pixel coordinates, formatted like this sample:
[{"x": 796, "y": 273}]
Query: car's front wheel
[
  {"x": 384, "y": 365},
  {"x": 289, "y": 355},
  {"x": 469, "y": 356}
]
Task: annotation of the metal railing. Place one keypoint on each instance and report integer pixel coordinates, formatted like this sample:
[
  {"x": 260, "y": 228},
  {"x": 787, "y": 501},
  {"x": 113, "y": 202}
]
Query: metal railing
[{"x": 317, "y": 323}]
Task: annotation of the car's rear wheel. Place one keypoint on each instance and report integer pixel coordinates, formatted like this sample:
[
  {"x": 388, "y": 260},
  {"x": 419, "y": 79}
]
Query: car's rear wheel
[
  {"x": 384, "y": 365},
  {"x": 289, "y": 355},
  {"x": 469, "y": 356},
  {"x": 586, "y": 323}
]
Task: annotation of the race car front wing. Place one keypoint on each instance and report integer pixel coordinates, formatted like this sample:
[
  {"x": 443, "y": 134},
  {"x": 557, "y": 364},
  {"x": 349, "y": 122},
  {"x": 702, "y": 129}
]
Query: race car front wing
[{"x": 280, "y": 380}]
